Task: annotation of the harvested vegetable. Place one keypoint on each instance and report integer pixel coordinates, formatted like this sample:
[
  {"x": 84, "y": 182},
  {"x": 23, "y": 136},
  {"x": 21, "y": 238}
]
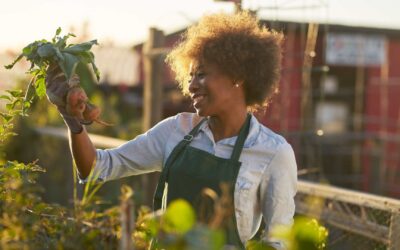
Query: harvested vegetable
[
  {"x": 76, "y": 102},
  {"x": 92, "y": 113},
  {"x": 44, "y": 55}
]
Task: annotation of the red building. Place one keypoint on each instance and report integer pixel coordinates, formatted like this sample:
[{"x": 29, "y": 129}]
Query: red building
[{"x": 340, "y": 108}]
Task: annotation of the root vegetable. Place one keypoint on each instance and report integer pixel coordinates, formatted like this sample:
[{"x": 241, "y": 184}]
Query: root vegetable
[
  {"x": 91, "y": 112},
  {"x": 76, "y": 102},
  {"x": 78, "y": 106}
]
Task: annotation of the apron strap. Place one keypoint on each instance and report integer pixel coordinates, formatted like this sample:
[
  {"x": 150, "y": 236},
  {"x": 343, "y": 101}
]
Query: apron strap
[
  {"x": 244, "y": 131},
  {"x": 157, "y": 203}
]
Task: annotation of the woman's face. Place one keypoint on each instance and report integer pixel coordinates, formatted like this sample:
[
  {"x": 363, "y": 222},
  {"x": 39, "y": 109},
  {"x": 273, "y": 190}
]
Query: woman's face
[{"x": 212, "y": 92}]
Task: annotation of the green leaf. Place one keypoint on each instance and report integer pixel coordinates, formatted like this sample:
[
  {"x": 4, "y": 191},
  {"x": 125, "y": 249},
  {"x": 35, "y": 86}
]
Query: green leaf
[
  {"x": 68, "y": 66},
  {"x": 9, "y": 66},
  {"x": 151, "y": 226},
  {"x": 35, "y": 72},
  {"x": 58, "y": 31},
  {"x": 179, "y": 217},
  {"x": 30, "y": 48},
  {"x": 96, "y": 71},
  {"x": 6, "y": 117},
  {"x": 10, "y": 106},
  {"x": 62, "y": 42},
  {"x": 9, "y": 134},
  {"x": 257, "y": 245},
  {"x": 82, "y": 47},
  {"x": 15, "y": 93},
  {"x": 59, "y": 56},
  {"x": 90, "y": 57},
  {"x": 6, "y": 97},
  {"x": 40, "y": 87},
  {"x": 203, "y": 237},
  {"x": 46, "y": 50},
  {"x": 86, "y": 57}
]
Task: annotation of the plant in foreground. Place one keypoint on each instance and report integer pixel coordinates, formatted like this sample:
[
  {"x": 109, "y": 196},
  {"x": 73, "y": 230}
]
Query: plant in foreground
[{"x": 56, "y": 54}]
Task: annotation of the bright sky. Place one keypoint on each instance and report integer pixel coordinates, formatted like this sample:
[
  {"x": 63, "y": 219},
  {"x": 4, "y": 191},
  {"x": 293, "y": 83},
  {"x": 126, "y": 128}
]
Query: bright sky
[{"x": 126, "y": 21}]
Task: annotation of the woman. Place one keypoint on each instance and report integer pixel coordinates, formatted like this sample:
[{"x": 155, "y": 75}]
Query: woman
[{"x": 228, "y": 64}]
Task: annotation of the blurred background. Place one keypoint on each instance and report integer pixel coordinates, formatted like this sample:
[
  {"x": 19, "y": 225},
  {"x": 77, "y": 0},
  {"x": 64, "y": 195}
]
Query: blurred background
[{"x": 338, "y": 101}]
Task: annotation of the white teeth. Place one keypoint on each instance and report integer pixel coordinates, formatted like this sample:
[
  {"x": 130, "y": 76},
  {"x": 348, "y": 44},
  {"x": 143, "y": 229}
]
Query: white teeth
[{"x": 198, "y": 98}]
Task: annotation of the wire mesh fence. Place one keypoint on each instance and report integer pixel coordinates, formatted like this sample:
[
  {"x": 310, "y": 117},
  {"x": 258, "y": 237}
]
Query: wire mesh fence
[{"x": 355, "y": 220}]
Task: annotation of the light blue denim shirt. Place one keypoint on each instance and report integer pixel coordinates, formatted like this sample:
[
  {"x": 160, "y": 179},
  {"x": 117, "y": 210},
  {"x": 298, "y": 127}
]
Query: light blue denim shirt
[{"x": 266, "y": 184}]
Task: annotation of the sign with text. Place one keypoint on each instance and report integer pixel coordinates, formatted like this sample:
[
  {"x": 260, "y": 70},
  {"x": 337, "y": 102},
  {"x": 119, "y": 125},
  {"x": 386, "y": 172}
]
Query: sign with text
[{"x": 355, "y": 49}]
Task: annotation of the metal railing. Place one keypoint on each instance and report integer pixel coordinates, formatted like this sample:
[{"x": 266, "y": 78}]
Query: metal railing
[{"x": 355, "y": 220}]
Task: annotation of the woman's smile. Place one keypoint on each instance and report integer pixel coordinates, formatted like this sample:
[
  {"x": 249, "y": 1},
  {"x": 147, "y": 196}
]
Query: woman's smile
[
  {"x": 198, "y": 99},
  {"x": 212, "y": 92}
]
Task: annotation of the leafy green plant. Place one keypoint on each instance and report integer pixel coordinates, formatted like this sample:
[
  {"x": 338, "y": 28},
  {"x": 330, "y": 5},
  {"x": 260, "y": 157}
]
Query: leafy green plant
[
  {"x": 43, "y": 53},
  {"x": 26, "y": 222},
  {"x": 306, "y": 233},
  {"x": 16, "y": 105},
  {"x": 46, "y": 56},
  {"x": 176, "y": 228}
]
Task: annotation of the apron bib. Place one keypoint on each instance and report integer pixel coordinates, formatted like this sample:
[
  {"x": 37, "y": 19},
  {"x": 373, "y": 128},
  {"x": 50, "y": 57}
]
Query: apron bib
[{"x": 188, "y": 171}]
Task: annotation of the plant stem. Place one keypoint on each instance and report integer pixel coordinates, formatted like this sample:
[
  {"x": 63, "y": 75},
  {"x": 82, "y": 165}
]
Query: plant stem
[{"x": 29, "y": 87}]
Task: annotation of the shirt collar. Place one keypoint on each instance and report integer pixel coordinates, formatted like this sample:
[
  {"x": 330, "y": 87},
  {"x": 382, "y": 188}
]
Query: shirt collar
[{"x": 254, "y": 131}]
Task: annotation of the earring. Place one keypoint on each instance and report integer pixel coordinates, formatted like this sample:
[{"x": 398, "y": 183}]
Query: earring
[{"x": 236, "y": 85}]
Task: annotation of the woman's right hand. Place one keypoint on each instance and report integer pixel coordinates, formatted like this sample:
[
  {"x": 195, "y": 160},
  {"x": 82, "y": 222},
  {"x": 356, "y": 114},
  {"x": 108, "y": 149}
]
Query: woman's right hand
[
  {"x": 57, "y": 88},
  {"x": 82, "y": 149}
]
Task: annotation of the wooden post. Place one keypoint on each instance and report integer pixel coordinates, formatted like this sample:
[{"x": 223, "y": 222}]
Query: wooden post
[
  {"x": 306, "y": 91},
  {"x": 127, "y": 218},
  {"x": 394, "y": 231},
  {"x": 153, "y": 98},
  {"x": 153, "y": 69},
  {"x": 127, "y": 224}
]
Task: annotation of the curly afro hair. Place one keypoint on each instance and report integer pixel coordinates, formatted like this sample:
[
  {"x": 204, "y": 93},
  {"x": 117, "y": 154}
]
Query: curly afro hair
[{"x": 242, "y": 48}]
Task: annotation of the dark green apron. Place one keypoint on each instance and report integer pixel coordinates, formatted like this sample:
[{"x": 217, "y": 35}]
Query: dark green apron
[{"x": 189, "y": 170}]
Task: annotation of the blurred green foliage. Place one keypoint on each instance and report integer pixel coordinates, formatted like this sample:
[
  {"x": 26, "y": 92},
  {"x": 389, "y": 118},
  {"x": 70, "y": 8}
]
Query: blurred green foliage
[
  {"x": 26, "y": 222},
  {"x": 306, "y": 233},
  {"x": 175, "y": 229}
]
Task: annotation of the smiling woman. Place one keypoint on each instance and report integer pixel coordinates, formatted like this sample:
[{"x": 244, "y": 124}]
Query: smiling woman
[
  {"x": 228, "y": 64},
  {"x": 220, "y": 52},
  {"x": 242, "y": 50}
]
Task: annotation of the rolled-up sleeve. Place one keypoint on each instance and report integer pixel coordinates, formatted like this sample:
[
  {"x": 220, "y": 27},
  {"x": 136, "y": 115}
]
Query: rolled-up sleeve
[
  {"x": 277, "y": 191},
  {"x": 141, "y": 155}
]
